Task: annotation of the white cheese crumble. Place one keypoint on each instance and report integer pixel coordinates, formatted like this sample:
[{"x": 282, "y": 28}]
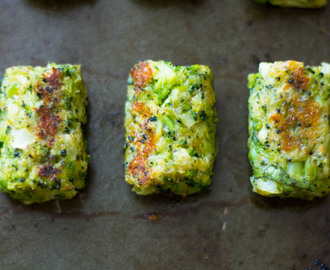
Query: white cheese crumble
[
  {"x": 267, "y": 186},
  {"x": 22, "y": 138}
]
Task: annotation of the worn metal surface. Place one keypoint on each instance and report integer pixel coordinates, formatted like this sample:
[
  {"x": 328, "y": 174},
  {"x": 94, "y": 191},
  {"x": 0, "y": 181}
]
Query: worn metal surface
[{"x": 106, "y": 227}]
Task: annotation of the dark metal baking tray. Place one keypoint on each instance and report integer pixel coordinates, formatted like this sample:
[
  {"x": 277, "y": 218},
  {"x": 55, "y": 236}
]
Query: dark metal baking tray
[{"x": 107, "y": 226}]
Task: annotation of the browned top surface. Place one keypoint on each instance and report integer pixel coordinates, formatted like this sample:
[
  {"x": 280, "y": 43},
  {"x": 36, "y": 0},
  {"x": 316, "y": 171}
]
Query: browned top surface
[
  {"x": 297, "y": 122},
  {"x": 143, "y": 143},
  {"x": 141, "y": 74},
  {"x": 50, "y": 94}
]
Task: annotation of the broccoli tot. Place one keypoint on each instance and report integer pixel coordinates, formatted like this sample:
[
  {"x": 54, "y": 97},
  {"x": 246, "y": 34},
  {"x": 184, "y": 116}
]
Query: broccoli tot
[
  {"x": 289, "y": 134},
  {"x": 170, "y": 128},
  {"x": 296, "y": 3},
  {"x": 42, "y": 151}
]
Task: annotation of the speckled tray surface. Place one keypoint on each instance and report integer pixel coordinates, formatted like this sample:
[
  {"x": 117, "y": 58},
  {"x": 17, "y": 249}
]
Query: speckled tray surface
[{"x": 109, "y": 227}]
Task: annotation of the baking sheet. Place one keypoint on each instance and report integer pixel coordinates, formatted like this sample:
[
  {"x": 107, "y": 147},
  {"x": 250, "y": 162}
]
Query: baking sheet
[{"x": 109, "y": 227}]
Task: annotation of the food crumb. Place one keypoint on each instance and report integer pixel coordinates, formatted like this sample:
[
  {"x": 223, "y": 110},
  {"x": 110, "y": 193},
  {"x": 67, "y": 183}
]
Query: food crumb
[
  {"x": 224, "y": 226},
  {"x": 153, "y": 217}
]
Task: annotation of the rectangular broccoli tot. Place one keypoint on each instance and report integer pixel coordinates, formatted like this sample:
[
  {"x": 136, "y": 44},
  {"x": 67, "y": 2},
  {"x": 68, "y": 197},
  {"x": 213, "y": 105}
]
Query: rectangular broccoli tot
[
  {"x": 296, "y": 3},
  {"x": 42, "y": 150},
  {"x": 289, "y": 141},
  {"x": 170, "y": 128}
]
